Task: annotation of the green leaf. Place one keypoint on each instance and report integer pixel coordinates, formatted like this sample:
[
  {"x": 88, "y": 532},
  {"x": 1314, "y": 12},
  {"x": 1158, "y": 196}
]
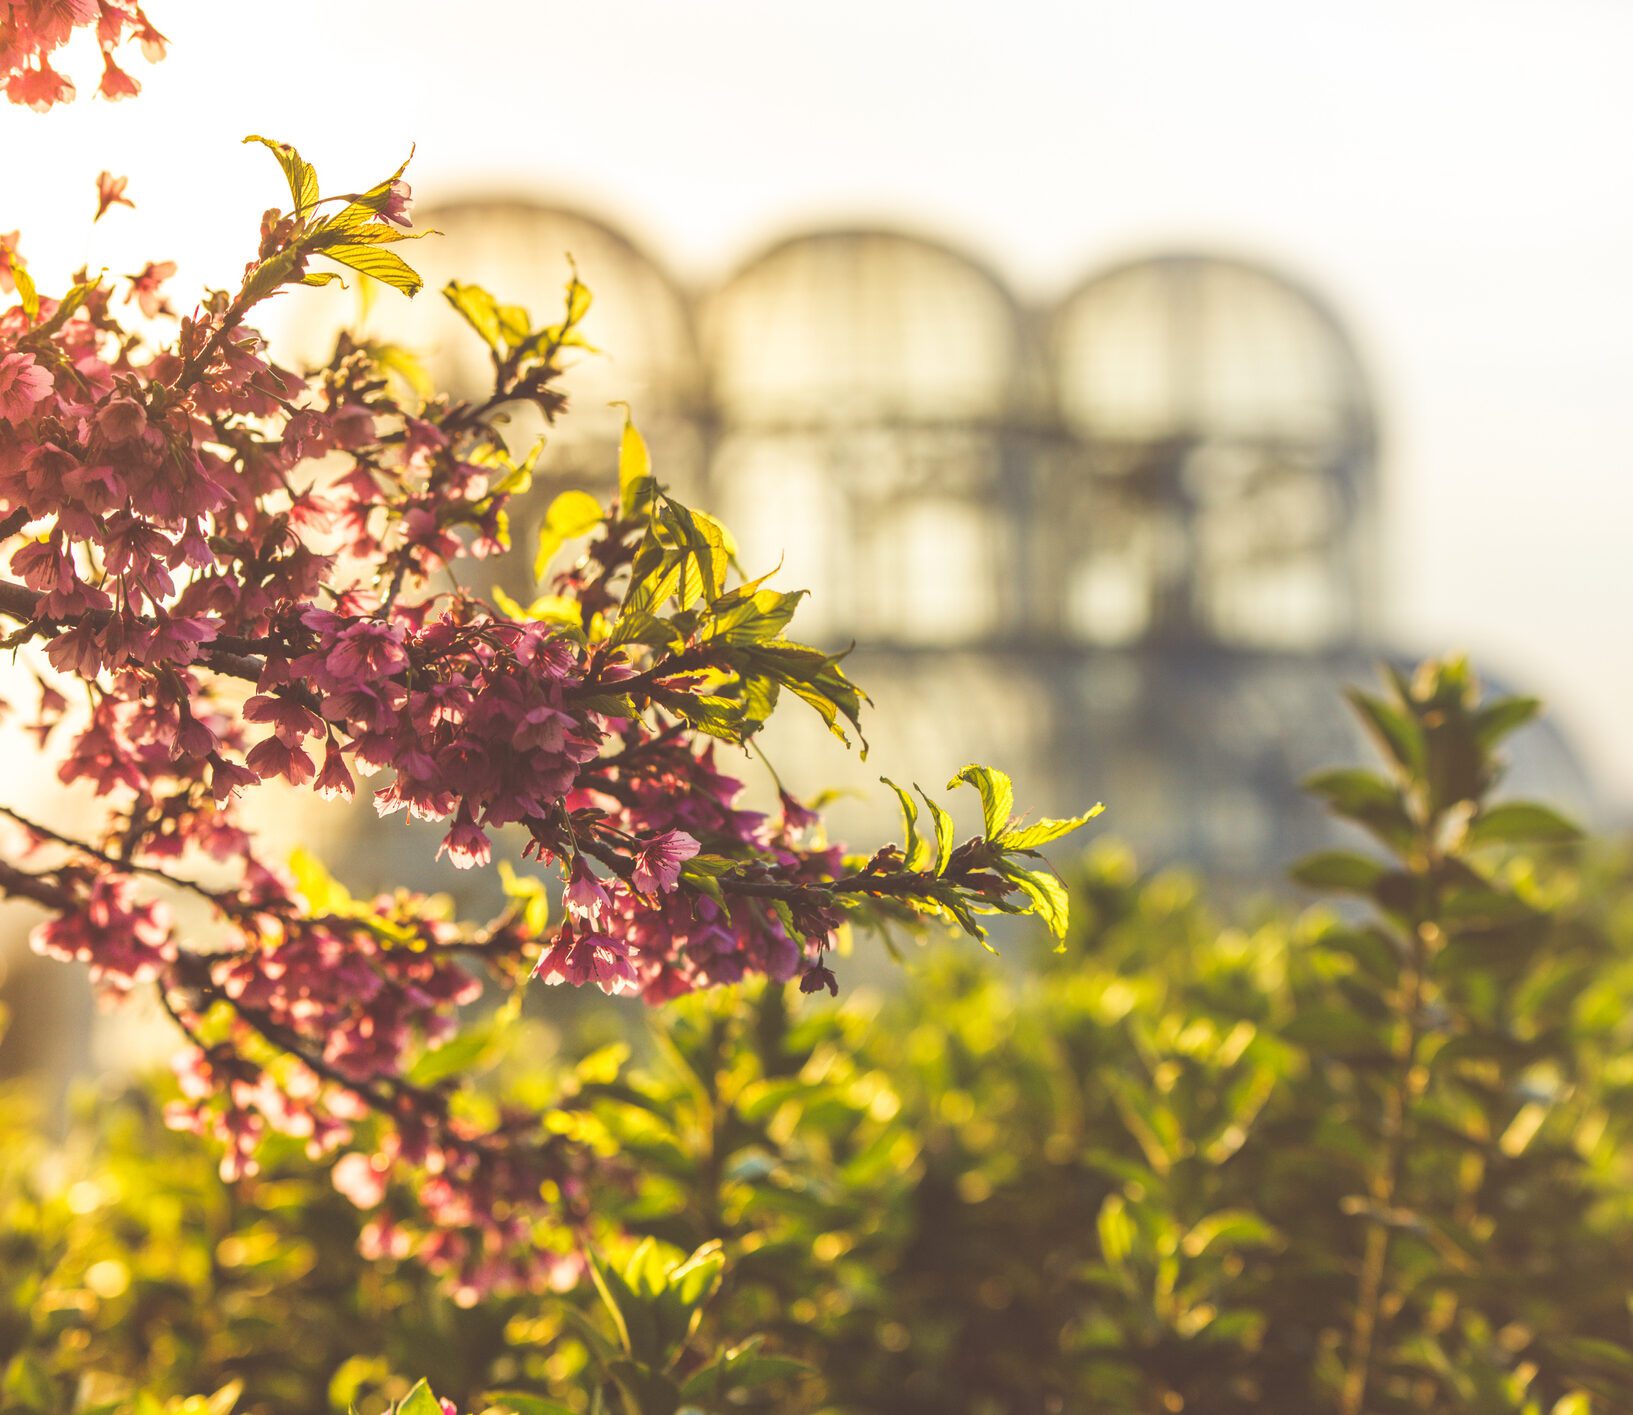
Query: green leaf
[
  {"x": 516, "y": 1402},
  {"x": 696, "y": 1279},
  {"x": 66, "y": 309},
  {"x": 1369, "y": 800},
  {"x": 813, "y": 675},
  {"x": 997, "y": 796},
  {"x": 741, "y": 1369},
  {"x": 637, "y": 1331},
  {"x": 26, "y": 292},
  {"x": 1116, "y": 1231},
  {"x": 1339, "y": 869},
  {"x": 755, "y": 619},
  {"x": 1336, "y": 1031},
  {"x": 28, "y": 1384},
  {"x": 914, "y": 850},
  {"x": 1050, "y": 902},
  {"x": 944, "y": 830},
  {"x": 1395, "y": 731},
  {"x": 419, "y": 1401},
  {"x": 303, "y": 181},
  {"x": 385, "y": 266},
  {"x": 635, "y": 484},
  {"x": 462, "y": 1052},
  {"x": 1497, "y": 719},
  {"x": 571, "y": 514},
  {"x": 393, "y": 358},
  {"x": 1228, "y": 1229},
  {"x": 650, "y": 1390},
  {"x": 1521, "y": 822},
  {"x": 477, "y": 308},
  {"x": 323, "y": 893},
  {"x": 364, "y": 209},
  {"x": 1042, "y": 832}
]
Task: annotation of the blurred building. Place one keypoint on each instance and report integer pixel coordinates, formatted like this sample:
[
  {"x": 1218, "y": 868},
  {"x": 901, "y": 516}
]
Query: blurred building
[{"x": 1124, "y": 547}]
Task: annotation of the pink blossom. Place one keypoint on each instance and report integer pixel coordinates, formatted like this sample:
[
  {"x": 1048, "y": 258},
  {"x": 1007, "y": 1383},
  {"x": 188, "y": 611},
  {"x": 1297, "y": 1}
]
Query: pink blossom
[
  {"x": 120, "y": 419},
  {"x": 144, "y": 287},
  {"x": 466, "y": 844},
  {"x": 110, "y": 190},
  {"x": 23, "y": 383},
  {"x": 334, "y": 780},
  {"x": 585, "y": 895},
  {"x": 588, "y": 958},
  {"x": 116, "y": 84},
  {"x": 399, "y": 200},
  {"x": 658, "y": 860},
  {"x": 276, "y": 757}
]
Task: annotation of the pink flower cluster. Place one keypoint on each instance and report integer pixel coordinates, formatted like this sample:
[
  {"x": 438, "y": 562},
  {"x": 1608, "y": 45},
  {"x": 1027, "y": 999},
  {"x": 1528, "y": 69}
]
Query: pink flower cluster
[
  {"x": 635, "y": 931},
  {"x": 228, "y": 564},
  {"x": 225, "y": 574},
  {"x": 32, "y": 31}
]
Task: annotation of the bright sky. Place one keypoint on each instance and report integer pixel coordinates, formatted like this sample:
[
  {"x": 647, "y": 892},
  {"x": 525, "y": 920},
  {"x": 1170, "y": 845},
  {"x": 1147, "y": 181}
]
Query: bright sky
[{"x": 1453, "y": 174}]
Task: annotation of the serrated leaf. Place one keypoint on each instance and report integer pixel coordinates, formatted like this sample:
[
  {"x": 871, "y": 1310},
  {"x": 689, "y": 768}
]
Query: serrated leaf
[
  {"x": 944, "y": 830},
  {"x": 914, "y": 849},
  {"x": 303, "y": 181},
  {"x": 1050, "y": 901},
  {"x": 1042, "y": 832},
  {"x": 634, "y": 469},
  {"x": 385, "y": 266},
  {"x": 997, "y": 796},
  {"x": 26, "y": 292},
  {"x": 476, "y": 307}
]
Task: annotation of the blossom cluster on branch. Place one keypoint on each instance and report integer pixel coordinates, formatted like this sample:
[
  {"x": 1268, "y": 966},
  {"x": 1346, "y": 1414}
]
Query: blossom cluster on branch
[
  {"x": 227, "y": 574},
  {"x": 32, "y": 31}
]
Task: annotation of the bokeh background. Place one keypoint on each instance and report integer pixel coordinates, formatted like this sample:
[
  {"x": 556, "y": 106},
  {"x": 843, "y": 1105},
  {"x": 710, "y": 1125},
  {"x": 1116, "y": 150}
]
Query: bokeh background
[{"x": 1122, "y": 379}]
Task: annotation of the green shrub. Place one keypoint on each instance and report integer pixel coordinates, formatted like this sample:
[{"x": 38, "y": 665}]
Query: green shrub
[{"x": 1372, "y": 1155}]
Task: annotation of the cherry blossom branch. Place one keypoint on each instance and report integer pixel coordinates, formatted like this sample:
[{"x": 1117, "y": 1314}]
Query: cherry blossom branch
[{"x": 226, "y": 653}]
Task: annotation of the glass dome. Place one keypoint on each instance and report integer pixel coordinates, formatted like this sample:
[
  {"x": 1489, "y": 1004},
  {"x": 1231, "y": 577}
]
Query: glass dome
[
  {"x": 869, "y": 389},
  {"x": 1218, "y": 483}
]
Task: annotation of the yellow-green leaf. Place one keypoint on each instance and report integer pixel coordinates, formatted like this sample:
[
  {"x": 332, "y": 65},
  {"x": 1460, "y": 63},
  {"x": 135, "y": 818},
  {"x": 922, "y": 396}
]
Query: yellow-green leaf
[
  {"x": 573, "y": 513},
  {"x": 303, "y": 181},
  {"x": 634, "y": 468},
  {"x": 26, "y": 292},
  {"x": 385, "y": 266}
]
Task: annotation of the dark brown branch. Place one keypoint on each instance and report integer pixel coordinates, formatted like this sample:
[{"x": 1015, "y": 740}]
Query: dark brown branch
[
  {"x": 44, "y": 832},
  {"x": 19, "y": 884},
  {"x": 226, "y": 654}
]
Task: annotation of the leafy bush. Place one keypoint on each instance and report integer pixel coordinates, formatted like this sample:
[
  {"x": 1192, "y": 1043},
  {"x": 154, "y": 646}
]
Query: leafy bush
[{"x": 1364, "y": 1156}]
